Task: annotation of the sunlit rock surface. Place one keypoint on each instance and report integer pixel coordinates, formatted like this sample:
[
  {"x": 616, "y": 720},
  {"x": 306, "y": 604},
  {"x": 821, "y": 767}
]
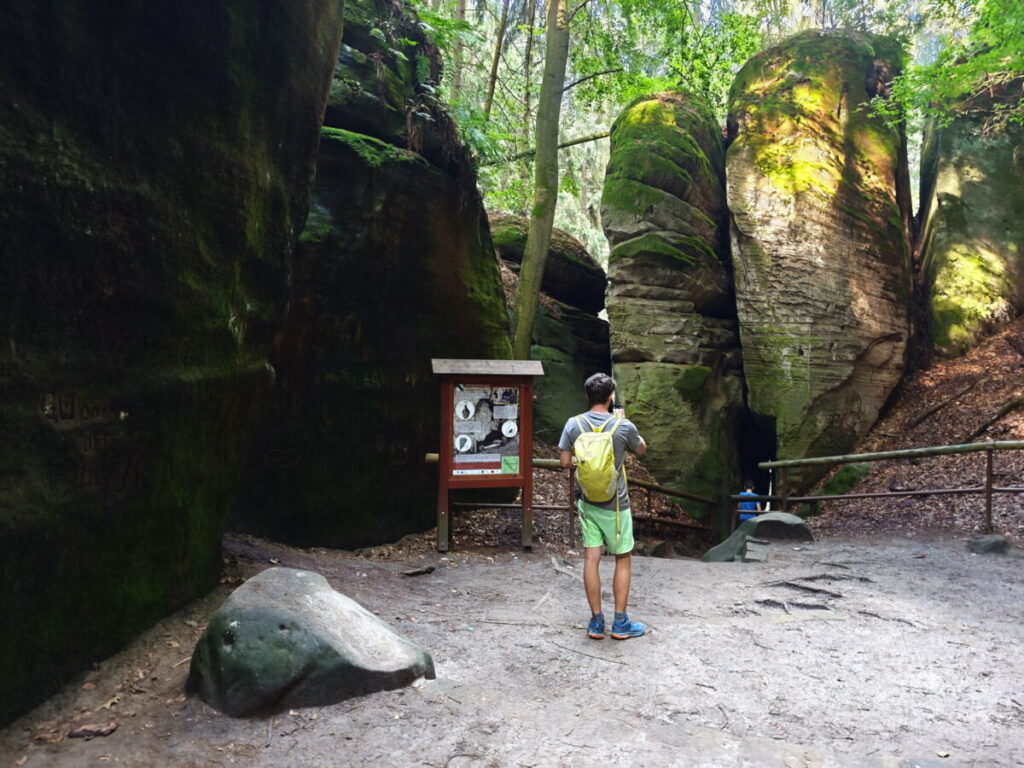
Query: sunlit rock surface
[
  {"x": 817, "y": 189},
  {"x": 972, "y": 202},
  {"x": 395, "y": 266},
  {"x": 674, "y": 338},
  {"x": 155, "y": 163}
]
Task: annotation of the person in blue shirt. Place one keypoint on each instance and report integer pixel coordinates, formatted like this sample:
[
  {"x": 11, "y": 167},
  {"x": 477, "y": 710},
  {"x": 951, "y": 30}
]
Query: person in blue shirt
[{"x": 748, "y": 509}]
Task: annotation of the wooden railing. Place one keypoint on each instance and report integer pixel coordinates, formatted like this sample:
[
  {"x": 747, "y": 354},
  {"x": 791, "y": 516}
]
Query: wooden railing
[
  {"x": 570, "y": 505},
  {"x": 988, "y": 487}
]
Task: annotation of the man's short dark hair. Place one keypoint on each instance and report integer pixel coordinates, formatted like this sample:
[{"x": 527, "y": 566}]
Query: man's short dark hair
[{"x": 599, "y": 388}]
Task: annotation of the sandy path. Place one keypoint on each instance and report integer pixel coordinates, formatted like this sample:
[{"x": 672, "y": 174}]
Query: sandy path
[{"x": 909, "y": 657}]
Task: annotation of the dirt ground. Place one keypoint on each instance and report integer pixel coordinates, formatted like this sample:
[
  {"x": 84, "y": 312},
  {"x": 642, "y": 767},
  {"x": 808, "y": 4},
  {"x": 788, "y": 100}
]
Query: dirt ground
[{"x": 842, "y": 652}]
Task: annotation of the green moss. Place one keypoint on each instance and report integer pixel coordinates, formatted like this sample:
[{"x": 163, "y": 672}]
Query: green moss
[
  {"x": 968, "y": 290},
  {"x": 373, "y": 152},
  {"x": 688, "y": 250},
  {"x": 690, "y": 383},
  {"x": 845, "y": 479}
]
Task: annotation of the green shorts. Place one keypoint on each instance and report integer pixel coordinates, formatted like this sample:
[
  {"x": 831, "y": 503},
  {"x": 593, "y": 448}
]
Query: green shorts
[{"x": 598, "y": 527}]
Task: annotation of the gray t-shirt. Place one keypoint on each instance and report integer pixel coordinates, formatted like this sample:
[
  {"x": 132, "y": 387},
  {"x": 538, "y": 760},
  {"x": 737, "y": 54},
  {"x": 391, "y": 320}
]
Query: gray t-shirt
[{"x": 625, "y": 437}]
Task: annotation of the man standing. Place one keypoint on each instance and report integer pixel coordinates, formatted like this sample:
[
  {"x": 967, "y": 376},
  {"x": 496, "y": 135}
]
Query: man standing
[{"x": 607, "y": 523}]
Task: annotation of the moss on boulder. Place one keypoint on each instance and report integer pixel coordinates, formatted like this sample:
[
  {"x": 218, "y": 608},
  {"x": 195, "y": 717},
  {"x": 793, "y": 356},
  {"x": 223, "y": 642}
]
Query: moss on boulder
[
  {"x": 972, "y": 240},
  {"x": 395, "y": 267},
  {"x": 674, "y": 337},
  {"x": 819, "y": 198},
  {"x": 155, "y": 162}
]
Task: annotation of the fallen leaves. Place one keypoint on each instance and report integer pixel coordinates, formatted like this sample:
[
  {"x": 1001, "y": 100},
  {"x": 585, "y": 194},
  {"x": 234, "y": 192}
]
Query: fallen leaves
[{"x": 969, "y": 389}]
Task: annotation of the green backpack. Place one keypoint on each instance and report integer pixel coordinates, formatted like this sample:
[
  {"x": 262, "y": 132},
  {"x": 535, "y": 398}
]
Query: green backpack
[{"x": 595, "y": 460}]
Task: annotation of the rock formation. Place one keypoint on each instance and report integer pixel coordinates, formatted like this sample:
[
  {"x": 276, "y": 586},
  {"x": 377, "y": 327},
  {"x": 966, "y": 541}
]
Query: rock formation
[
  {"x": 286, "y": 639},
  {"x": 395, "y": 266},
  {"x": 571, "y": 275},
  {"x": 674, "y": 339},
  {"x": 568, "y": 336},
  {"x": 817, "y": 189},
  {"x": 972, "y": 239},
  {"x": 155, "y": 162}
]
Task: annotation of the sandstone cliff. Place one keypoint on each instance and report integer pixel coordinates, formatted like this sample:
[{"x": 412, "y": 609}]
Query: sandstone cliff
[
  {"x": 155, "y": 162},
  {"x": 972, "y": 212},
  {"x": 395, "y": 266},
  {"x": 817, "y": 189}
]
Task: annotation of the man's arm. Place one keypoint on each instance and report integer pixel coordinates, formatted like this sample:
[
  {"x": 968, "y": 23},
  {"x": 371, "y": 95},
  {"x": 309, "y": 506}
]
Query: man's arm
[
  {"x": 641, "y": 447},
  {"x": 565, "y": 458}
]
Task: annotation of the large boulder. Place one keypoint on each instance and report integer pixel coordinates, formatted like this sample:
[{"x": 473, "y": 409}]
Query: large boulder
[
  {"x": 674, "y": 335},
  {"x": 395, "y": 266},
  {"x": 972, "y": 202},
  {"x": 819, "y": 195},
  {"x": 571, "y": 275},
  {"x": 285, "y": 638},
  {"x": 155, "y": 164}
]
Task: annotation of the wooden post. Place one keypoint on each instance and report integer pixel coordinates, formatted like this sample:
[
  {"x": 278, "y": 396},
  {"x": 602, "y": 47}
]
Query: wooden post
[
  {"x": 988, "y": 491},
  {"x": 526, "y": 459}
]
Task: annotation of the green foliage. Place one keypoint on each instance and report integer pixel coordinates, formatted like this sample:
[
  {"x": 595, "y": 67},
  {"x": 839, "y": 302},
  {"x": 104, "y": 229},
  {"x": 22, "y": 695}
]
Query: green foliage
[{"x": 971, "y": 67}]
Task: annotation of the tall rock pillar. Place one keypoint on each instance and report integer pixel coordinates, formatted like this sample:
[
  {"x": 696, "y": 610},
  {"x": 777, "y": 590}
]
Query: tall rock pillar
[
  {"x": 817, "y": 189},
  {"x": 674, "y": 340}
]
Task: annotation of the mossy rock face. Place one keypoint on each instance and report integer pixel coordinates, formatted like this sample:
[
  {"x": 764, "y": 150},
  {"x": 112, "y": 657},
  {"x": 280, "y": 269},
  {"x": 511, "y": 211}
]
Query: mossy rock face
[
  {"x": 153, "y": 179},
  {"x": 571, "y": 275},
  {"x": 573, "y": 345},
  {"x": 395, "y": 267},
  {"x": 689, "y": 416},
  {"x": 972, "y": 242},
  {"x": 817, "y": 189},
  {"x": 674, "y": 333}
]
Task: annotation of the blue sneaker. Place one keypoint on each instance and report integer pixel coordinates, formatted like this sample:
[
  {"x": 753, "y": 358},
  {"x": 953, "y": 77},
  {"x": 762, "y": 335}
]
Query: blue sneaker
[
  {"x": 622, "y": 630},
  {"x": 595, "y": 630}
]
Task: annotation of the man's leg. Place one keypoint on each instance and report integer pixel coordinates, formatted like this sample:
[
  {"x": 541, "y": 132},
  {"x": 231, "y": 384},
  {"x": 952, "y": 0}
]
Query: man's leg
[
  {"x": 592, "y": 577},
  {"x": 620, "y": 582}
]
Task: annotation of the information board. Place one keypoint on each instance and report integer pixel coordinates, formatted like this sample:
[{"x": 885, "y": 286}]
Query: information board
[{"x": 485, "y": 429}]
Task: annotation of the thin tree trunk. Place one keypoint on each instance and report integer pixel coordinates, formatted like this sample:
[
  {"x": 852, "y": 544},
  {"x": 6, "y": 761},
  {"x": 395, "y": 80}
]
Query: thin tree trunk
[
  {"x": 545, "y": 196},
  {"x": 496, "y": 59},
  {"x": 460, "y": 15},
  {"x": 526, "y": 70}
]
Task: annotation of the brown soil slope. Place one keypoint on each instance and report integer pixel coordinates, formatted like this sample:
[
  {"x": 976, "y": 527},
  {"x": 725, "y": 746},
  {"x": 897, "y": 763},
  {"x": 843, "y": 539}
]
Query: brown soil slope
[{"x": 977, "y": 387}]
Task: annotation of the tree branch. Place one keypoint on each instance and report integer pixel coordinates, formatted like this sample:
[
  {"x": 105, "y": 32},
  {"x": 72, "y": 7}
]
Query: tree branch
[
  {"x": 563, "y": 145},
  {"x": 574, "y": 83},
  {"x": 577, "y": 9}
]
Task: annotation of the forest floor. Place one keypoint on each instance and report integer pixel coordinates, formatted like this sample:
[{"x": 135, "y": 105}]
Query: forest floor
[
  {"x": 884, "y": 643},
  {"x": 969, "y": 391}
]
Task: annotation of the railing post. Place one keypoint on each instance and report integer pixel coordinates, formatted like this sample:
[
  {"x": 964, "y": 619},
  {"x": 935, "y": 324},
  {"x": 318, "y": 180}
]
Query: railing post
[
  {"x": 784, "y": 488},
  {"x": 988, "y": 491}
]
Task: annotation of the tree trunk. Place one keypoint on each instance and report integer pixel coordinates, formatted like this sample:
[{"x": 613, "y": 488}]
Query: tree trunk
[
  {"x": 545, "y": 196},
  {"x": 493, "y": 79},
  {"x": 526, "y": 71},
  {"x": 460, "y": 15}
]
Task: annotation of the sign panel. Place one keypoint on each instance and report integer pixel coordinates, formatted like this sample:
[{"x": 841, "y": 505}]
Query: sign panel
[{"x": 485, "y": 430}]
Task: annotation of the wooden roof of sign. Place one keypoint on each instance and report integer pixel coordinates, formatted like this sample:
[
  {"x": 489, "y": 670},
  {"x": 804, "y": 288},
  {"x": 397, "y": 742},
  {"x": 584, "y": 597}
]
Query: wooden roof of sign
[{"x": 489, "y": 367}]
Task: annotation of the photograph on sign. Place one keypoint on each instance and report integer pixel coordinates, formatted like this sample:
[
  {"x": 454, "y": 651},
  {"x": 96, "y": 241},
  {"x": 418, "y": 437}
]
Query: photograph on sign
[{"x": 485, "y": 427}]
